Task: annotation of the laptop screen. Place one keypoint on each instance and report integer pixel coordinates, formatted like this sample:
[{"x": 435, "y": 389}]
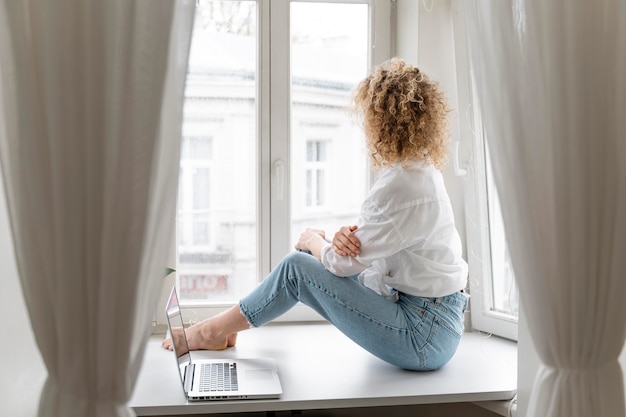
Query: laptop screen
[{"x": 177, "y": 334}]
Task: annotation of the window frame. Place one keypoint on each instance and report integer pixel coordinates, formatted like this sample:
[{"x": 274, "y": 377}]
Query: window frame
[
  {"x": 273, "y": 169},
  {"x": 478, "y": 239}
]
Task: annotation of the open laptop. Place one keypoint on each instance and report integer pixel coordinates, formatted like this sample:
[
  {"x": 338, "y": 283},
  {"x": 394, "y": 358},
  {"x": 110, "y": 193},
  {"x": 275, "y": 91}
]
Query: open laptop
[{"x": 220, "y": 379}]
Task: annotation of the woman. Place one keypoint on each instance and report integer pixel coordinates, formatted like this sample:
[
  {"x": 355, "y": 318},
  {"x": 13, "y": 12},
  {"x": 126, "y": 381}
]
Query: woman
[{"x": 393, "y": 282}]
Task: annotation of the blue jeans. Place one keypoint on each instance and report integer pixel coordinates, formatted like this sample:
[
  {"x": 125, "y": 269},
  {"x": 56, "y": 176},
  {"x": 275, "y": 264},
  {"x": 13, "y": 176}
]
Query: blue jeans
[{"x": 415, "y": 333}]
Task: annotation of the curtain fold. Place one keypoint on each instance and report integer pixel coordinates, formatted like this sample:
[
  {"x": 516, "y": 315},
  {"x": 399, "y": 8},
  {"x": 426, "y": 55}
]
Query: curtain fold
[
  {"x": 549, "y": 76},
  {"x": 92, "y": 96}
]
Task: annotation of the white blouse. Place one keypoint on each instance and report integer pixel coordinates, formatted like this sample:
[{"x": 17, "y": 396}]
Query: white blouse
[{"x": 409, "y": 241}]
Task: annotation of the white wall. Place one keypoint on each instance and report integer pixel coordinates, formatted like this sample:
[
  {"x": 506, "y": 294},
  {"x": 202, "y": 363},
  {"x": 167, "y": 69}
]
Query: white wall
[{"x": 22, "y": 370}]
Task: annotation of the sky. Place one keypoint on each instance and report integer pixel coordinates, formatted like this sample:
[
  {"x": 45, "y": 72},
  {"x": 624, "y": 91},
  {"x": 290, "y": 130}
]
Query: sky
[{"x": 330, "y": 42}]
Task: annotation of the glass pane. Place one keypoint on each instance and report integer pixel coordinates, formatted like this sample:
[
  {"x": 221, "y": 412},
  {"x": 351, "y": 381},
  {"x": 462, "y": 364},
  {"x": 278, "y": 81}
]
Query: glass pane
[
  {"x": 201, "y": 182},
  {"x": 309, "y": 188},
  {"x": 310, "y": 151},
  {"x": 329, "y": 55},
  {"x": 216, "y": 223},
  {"x": 321, "y": 192},
  {"x": 505, "y": 293},
  {"x": 196, "y": 148}
]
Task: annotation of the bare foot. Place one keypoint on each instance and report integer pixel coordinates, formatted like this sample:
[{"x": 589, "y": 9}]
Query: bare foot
[
  {"x": 196, "y": 341},
  {"x": 217, "y": 333},
  {"x": 177, "y": 336}
]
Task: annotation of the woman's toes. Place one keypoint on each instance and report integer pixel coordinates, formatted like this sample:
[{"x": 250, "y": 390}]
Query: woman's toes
[{"x": 166, "y": 343}]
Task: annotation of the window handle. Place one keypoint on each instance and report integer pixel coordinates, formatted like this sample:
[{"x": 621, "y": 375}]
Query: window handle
[
  {"x": 458, "y": 171},
  {"x": 279, "y": 172}
]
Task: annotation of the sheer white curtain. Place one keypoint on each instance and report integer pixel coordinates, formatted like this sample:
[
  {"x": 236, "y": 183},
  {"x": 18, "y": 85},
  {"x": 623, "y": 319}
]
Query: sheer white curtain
[
  {"x": 550, "y": 77},
  {"x": 90, "y": 119}
]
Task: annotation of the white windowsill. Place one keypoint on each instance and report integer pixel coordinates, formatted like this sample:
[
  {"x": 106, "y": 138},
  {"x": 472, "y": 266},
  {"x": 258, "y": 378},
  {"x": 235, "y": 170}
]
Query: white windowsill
[{"x": 320, "y": 368}]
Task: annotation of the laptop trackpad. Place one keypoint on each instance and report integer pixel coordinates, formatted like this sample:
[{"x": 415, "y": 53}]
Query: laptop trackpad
[{"x": 260, "y": 374}]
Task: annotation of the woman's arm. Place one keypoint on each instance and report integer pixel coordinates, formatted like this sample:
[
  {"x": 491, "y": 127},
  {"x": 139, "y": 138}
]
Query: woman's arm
[
  {"x": 312, "y": 240},
  {"x": 378, "y": 238},
  {"x": 345, "y": 243}
]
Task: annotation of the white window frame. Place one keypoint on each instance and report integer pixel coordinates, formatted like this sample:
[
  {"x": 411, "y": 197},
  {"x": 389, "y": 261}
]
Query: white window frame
[
  {"x": 273, "y": 89},
  {"x": 483, "y": 317}
]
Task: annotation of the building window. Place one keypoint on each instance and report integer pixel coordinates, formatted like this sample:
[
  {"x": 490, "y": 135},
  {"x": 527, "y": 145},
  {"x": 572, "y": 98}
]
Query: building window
[
  {"x": 194, "y": 202},
  {"x": 315, "y": 173}
]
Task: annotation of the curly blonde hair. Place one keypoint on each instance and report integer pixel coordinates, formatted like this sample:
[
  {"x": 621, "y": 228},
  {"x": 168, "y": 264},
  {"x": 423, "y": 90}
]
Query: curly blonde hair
[{"x": 404, "y": 115}]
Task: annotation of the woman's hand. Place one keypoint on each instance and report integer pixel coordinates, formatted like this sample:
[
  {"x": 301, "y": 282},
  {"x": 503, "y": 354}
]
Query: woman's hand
[
  {"x": 345, "y": 243},
  {"x": 312, "y": 240}
]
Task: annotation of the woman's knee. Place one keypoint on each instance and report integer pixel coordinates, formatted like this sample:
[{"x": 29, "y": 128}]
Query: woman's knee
[
  {"x": 296, "y": 260},
  {"x": 300, "y": 267}
]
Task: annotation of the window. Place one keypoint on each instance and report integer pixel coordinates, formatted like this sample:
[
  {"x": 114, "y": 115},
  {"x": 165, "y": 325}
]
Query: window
[
  {"x": 494, "y": 302},
  {"x": 258, "y": 161},
  {"x": 329, "y": 55},
  {"x": 193, "y": 203},
  {"x": 315, "y": 174},
  {"x": 495, "y": 299},
  {"x": 217, "y": 215},
  {"x": 504, "y": 291}
]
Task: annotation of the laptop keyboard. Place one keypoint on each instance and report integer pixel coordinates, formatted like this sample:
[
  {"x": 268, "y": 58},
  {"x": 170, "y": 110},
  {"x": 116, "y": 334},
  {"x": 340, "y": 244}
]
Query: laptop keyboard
[{"x": 218, "y": 377}]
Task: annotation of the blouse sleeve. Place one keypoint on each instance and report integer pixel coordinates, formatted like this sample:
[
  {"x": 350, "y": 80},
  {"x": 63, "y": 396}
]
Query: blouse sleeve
[
  {"x": 383, "y": 234},
  {"x": 379, "y": 239}
]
